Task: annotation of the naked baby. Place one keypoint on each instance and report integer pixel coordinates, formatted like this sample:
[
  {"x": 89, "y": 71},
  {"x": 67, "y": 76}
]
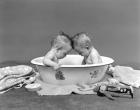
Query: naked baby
[
  {"x": 60, "y": 47},
  {"x": 83, "y": 45}
]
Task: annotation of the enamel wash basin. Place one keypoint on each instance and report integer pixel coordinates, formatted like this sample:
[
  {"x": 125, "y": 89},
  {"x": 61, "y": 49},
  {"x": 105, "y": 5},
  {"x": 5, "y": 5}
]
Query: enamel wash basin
[{"x": 71, "y": 71}]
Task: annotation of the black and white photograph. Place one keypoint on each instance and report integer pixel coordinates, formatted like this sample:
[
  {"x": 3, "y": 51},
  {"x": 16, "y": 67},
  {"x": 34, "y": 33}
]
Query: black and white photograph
[{"x": 69, "y": 54}]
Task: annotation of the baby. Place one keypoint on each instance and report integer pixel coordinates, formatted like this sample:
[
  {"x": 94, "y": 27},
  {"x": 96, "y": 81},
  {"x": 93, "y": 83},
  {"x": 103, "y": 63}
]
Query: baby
[
  {"x": 60, "y": 46},
  {"x": 83, "y": 45}
]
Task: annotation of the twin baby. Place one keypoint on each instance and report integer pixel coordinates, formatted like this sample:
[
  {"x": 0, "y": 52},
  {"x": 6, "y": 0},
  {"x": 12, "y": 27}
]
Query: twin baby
[{"x": 62, "y": 44}]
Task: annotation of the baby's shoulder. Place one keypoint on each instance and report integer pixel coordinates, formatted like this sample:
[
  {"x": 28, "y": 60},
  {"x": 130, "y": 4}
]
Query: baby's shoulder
[
  {"x": 50, "y": 54},
  {"x": 94, "y": 52}
]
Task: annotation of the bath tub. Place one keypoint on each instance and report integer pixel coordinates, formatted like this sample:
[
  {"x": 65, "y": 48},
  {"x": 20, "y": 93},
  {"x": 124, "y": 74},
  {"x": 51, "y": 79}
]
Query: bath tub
[{"x": 71, "y": 71}]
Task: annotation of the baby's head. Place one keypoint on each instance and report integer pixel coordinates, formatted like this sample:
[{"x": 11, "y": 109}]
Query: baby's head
[
  {"x": 82, "y": 43},
  {"x": 62, "y": 44}
]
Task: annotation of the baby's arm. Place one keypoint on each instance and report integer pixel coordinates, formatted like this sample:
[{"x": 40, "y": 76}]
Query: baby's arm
[{"x": 50, "y": 60}]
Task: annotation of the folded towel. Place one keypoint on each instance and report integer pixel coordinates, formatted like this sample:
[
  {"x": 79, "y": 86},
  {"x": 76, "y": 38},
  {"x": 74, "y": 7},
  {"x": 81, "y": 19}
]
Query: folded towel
[
  {"x": 19, "y": 70},
  {"x": 13, "y": 76}
]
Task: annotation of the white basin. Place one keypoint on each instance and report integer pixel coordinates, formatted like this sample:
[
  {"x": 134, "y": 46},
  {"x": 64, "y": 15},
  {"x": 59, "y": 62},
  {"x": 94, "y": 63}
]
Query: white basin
[{"x": 71, "y": 71}]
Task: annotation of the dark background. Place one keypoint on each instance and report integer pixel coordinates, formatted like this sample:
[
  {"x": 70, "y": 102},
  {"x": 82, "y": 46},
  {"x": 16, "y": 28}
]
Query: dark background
[{"x": 26, "y": 26}]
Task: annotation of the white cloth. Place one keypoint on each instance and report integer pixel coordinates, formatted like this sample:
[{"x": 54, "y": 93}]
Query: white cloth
[
  {"x": 49, "y": 89},
  {"x": 127, "y": 75}
]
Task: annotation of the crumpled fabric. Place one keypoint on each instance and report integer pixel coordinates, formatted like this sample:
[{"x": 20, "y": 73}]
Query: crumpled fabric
[
  {"x": 50, "y": 89},
  {"x": 127, "y": 75}
]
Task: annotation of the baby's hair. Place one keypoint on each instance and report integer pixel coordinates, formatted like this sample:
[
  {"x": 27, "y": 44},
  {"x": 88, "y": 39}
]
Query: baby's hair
[
  {"x": 79, "y": 36},
  {"x": 64, "y": 34},
  {"x": 80, "y": 33},
  {"x": 65, "y": 37}
]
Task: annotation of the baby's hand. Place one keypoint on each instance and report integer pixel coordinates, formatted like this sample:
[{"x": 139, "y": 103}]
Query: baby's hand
[{"x": 57, "y": 66}]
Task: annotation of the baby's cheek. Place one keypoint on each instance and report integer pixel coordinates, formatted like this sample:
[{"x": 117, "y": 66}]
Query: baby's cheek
[
  {"x": 86, "y": 52},
  {"x": 77, "y": 48}
]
